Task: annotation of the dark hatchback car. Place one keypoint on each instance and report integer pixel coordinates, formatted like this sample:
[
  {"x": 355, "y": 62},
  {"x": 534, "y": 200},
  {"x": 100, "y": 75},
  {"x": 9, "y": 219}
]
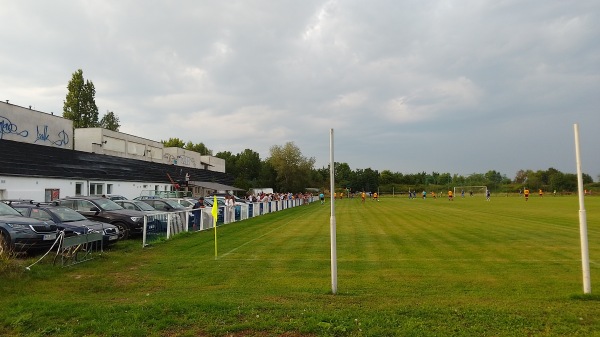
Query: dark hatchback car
[
  {"x": 69, "y": 220},
  {"x": 21, "y": 234},
  {"x": 129, "y": 222}
]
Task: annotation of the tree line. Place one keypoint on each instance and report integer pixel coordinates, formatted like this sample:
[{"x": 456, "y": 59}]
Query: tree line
[{"x": 287, "y": 170}]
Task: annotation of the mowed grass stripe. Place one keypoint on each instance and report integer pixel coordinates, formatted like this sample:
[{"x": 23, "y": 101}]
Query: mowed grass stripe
[{"x": 405, "y": 267}]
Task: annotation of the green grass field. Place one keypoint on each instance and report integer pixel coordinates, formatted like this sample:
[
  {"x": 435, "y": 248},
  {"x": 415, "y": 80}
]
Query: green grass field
[{"x": 405, "y": 268}]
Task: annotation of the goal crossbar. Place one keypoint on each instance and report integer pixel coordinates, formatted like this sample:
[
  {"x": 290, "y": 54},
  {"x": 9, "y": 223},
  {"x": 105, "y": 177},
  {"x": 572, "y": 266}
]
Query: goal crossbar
[{"x": 458, "y": 190}]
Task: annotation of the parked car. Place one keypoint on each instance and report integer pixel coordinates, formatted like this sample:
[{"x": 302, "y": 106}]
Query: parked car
[
  {"x": 68, "y": 220},
  {"x": 157, "y": 221},
  {"x": 167, "y": 205},
  {"x": 128, "y": 221},
  {"x": 21, "y": 234},
  {"x": 221, "y": 196},
  {"x": 114, "y": 197},
  {"x": 146, "y": 197},
  {"x": 208, "y": 202},
  {"x": 185, "y": 202}
]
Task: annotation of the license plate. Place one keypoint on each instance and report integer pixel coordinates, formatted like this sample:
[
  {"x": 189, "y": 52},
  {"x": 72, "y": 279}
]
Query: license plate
[
  {"x": 112, "y": 238},
  {"x": 50, "y": 236}
]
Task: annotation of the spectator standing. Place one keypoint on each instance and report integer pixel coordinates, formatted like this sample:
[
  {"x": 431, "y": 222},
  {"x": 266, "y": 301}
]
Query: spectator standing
[
  {"x": 197, "y": 211},
  {"x": 230, "y": 206}
]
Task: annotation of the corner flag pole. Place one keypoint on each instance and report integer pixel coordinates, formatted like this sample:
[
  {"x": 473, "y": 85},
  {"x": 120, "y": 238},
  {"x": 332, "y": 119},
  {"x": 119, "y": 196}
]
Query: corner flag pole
[
  {"x": 215, "y": 213},
  {"x": 585, "y": 258},
  {"x": 332, "y": 218}
]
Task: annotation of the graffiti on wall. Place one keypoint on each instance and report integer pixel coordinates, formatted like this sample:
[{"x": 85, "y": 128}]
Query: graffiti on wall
[
  {"x": 181, "y": 160},
  {"x": 186, "y": 161},
  {"x": 61, "y": 140},
  {"x": 42, "y": 135},
  {"x": 7, "y": 127},
  {"x": 170, "y": 158}
]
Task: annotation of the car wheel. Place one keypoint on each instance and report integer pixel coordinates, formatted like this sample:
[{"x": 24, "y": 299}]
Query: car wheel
[
  {"x": 5, "y": 247},
  {"x": 123, "y": 230}
]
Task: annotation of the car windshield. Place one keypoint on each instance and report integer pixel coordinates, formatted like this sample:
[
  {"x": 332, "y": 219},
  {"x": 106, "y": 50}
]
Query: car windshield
[
  {"x": 174, "y": 204},
  {"x": 66, "y": 214},
  {"x": 7, "y": 210},
  {"x": 107, "y": 204},
  {"x": 186, "y": 203},
  {"x": 209, "y": 202},
  {"x": 144, "y": 206}
]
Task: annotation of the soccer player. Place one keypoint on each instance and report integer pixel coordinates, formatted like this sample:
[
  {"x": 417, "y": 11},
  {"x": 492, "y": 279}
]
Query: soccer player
[
  {"x": 363, "y": 195},
  {"x": 450, "y": 197},
  {"x": 541, "y": 193},
  {"x": 526, "y": 192},
  {"x": 487, "y": 195},
  {"x": 375, "y": 197}
]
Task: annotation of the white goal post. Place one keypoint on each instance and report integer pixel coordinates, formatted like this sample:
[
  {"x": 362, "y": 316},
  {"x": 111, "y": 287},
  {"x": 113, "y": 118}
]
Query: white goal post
[{"x": 470, "y": 190}]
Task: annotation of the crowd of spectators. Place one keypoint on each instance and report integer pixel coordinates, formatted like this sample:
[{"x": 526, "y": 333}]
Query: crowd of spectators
[{"x": 266, "y": 197}]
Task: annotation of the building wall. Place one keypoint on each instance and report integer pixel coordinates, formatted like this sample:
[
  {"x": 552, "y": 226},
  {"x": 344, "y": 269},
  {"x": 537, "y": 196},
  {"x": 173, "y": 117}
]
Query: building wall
[
  {"x": 103, "y": 141},
  {"x": 118, "y": 144},
  {"x": 214, "y": 163},
  {"x": 47, "y": 189},
  {"x": 31, "y": 126}
]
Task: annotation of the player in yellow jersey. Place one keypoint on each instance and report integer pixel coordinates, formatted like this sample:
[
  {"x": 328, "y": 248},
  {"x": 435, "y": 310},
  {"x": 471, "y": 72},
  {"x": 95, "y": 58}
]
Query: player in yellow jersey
[
  {"x": 450, "y": 196},
  {"x": 363, "y": 195}
]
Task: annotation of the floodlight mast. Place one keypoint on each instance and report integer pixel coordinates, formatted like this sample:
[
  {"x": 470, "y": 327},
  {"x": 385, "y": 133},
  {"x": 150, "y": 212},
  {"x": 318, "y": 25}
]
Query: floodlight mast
[{"x": 585, "y": 258}]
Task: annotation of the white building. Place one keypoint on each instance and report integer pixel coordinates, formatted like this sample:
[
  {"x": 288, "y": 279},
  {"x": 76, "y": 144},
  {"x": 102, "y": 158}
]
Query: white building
[{"x": 42, "y": 161}]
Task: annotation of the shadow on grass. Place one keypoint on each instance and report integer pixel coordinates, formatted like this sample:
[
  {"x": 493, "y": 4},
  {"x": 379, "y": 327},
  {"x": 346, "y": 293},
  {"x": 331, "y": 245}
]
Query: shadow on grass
[{"x": 585, "y": 297}]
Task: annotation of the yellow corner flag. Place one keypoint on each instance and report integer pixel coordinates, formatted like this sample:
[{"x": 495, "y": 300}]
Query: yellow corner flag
[{"x": 215, "y": 213}]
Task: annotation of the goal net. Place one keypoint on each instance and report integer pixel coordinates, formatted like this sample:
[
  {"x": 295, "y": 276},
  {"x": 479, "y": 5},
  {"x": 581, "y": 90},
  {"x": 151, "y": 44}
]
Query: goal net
[{"x": 469, "y": 191}]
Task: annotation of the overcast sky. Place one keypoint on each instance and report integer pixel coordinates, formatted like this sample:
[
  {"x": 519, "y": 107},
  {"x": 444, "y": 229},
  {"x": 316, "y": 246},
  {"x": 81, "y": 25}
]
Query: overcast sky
[{"x": 409, "y": 86}]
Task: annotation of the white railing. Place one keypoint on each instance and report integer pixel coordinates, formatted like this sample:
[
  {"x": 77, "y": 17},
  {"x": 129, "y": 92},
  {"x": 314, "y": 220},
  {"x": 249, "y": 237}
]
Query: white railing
[{"x": 166, "y": 224}]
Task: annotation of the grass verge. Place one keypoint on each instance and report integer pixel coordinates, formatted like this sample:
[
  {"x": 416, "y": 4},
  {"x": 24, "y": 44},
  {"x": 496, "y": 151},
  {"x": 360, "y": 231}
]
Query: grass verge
[{"x": 405, "y": 268}]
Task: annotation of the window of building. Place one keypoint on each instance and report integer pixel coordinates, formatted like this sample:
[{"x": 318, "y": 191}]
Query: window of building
[
  {"x": 96, "y": 189},
  {"x": 78, "y": 188},
  {"x": 51, "y": 194},
  {"x": 109, "y": 188}
]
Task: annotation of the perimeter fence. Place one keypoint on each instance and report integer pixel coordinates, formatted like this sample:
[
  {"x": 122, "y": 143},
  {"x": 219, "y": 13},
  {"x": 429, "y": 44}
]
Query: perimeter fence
[{"x": 164, "y": 225}]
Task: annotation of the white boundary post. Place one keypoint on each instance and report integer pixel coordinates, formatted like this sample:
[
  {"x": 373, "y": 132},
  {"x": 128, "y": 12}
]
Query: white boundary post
[
  {"x": 585, "y": 259},
  {"x": 332, "y": 228}
]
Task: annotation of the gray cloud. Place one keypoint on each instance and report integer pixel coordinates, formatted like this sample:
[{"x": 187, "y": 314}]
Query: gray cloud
[{"x": 409, "y": 86}]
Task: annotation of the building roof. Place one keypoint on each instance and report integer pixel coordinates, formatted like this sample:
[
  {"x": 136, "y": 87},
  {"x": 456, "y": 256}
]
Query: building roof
[
  {"x": 215, "y": 186},
  {"x": 30, "y": 160}
]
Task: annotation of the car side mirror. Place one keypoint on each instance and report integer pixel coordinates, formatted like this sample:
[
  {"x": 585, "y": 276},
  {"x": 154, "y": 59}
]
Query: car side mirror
[{"x": 95, "y": 209}]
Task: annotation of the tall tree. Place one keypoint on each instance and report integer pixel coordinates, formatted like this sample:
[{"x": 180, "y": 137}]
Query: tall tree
[
  {"x": 200, "y": 148},
  {"x": 110, "y": 121},
  {"x": 248, "y": 165},
  {"x": 230, "y": 160},
  {"x": 173, "y": 142},
  {"x": 80, "y": 102},
  {"x": 293, "y": 169}
]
